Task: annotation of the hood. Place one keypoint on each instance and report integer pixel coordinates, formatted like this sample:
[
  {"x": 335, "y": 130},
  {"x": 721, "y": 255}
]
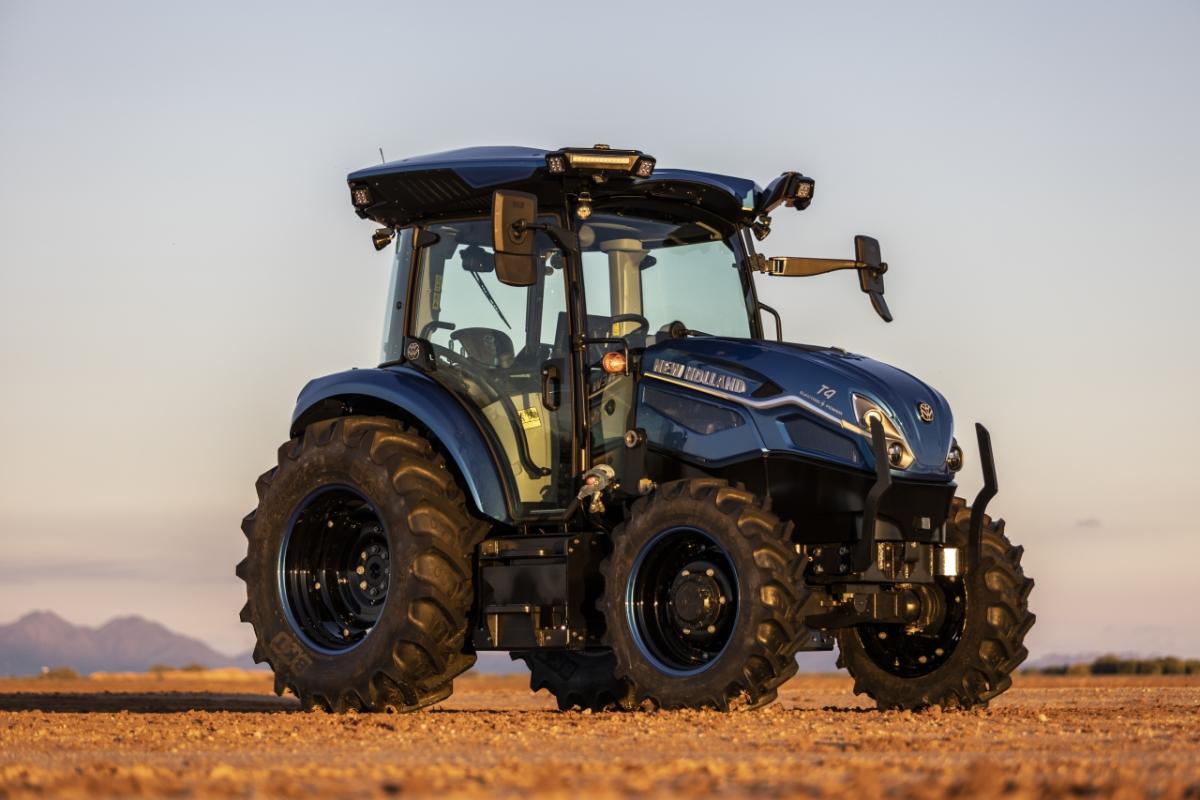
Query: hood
[{"x": 774, "y": 378}]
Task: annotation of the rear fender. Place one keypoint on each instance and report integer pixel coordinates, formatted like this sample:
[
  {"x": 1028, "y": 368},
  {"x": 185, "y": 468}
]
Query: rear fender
[{"x": 411, "y": 396}]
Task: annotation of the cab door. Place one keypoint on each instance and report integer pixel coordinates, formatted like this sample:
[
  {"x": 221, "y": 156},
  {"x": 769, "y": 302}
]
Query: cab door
[{"x": 505, "y": 351}]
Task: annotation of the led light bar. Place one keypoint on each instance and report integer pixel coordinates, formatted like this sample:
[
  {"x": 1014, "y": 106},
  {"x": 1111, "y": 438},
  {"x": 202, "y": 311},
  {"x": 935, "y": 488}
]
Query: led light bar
[
  {"x": 622, "y": 162},
  {"x": 600, "y": 160}
]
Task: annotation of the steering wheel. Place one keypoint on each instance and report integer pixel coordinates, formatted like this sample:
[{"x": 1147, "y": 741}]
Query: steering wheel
[
  {"x": 643, "y": 323},
  {"x": 480, "y": 376}
]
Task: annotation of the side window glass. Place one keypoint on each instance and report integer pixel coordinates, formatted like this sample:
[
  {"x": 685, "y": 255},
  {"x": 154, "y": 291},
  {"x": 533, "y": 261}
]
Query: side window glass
[{"x": 493, "y": 343}]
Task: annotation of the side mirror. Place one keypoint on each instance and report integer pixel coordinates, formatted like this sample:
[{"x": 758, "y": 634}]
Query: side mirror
[
  {"x": 513, "y": 216},
  {"x": 867, "y": 262},
  {"x": 870, "y": 273}
]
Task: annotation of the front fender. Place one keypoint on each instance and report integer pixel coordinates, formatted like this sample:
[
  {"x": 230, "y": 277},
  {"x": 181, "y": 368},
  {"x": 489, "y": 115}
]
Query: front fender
[{"x": 407, "y": 394}]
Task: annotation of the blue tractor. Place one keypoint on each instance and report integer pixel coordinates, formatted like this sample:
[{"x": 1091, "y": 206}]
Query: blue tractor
[{"x": 581, "y": 446}]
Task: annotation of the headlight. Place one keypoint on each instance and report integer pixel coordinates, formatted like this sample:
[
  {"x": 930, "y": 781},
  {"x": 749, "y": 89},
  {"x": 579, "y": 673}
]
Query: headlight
[
  {"x": 899, "y": 454},
  {"x": 954, "y": 459}
]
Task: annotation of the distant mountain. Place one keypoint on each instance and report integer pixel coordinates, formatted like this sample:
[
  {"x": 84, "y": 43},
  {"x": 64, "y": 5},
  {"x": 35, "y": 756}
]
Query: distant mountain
[
  {"x": 126, "y": 644},
  {"x": 134, "y": 644}
]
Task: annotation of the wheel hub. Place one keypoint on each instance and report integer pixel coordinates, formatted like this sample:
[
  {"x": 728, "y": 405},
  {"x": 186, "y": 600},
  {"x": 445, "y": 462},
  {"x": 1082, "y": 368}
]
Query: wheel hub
[
  {"x": 696, "y": 597},
  {"x": 922, "y": 646},
  {"x": 335, "y": 569},
  {"x": 370, "y": 571},
  {"x": 682, "y": 600}
]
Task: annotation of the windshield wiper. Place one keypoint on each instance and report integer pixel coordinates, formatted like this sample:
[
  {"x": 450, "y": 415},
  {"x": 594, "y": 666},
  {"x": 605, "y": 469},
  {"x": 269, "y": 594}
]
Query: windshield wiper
[{"x": 490, "y": 299}]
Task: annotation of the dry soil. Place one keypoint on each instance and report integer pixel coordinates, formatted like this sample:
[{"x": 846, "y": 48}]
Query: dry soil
[{"x": 227, "y": 735}]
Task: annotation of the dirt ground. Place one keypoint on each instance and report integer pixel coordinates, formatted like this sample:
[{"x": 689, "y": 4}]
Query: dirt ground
[{"x": 190, "y": 734}]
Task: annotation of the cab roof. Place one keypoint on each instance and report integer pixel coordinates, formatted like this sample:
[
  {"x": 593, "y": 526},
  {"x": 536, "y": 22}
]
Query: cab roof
[{"x": 460, "y": 182}]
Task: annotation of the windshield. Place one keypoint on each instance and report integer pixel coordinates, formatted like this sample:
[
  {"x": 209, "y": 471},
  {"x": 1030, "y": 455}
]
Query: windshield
[{"x": 641, "y": 275}]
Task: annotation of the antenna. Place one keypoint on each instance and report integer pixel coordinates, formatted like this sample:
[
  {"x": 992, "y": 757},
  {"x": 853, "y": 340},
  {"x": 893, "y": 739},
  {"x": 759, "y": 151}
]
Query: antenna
[{"x": 382, "y": 160}]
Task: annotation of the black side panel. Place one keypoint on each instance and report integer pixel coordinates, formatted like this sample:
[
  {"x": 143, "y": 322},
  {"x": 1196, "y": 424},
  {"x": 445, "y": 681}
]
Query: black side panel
[{"x": 538, "y": 592}]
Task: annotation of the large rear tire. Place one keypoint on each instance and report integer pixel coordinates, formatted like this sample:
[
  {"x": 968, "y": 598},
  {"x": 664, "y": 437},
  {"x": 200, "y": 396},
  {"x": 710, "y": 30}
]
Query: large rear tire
[
  {"x": 701, "y": 602},
  {"x": 358, "y": 569},
  {"x": 970, "y": 659}
]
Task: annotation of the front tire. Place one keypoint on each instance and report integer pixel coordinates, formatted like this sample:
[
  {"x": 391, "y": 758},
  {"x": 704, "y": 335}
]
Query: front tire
[
  {"x": 358, "y": 568},
  {"x": 970, "y": 658},
  {"x": 701, "y": 607}
]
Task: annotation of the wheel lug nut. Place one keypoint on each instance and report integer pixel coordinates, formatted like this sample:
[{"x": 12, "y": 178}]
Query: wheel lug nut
[
  {"x": 712, "y": 629},
  {"x": 709, "y": 572},
  {"x": 939, "y": 652},
  {"x": 362, "y": 556},
  {"x": 721, "y": 600},
  {"x": 684, "y": 574},
  {"x": 362, "y": 584},
  {"x": 883, "y": 634},
  {"x": 345, "y": 631},
  {"x": 360, "y": 569},
  {"x": 687, "y": 631},
  {"x": 329, "y": 524},
  {"x": 317, "y": 585},
  {"x": 922, "y": 659}
]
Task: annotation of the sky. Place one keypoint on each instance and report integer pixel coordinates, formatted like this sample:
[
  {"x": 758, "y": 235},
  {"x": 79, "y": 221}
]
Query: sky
[{"x": 178, "y": 254}]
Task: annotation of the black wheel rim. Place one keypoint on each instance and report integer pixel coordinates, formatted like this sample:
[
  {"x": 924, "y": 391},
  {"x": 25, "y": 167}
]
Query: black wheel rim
[
  {"x": 910, "y": 655},
  {"x": 334, "y": 569},
  {"x": 681, "y": 601}
]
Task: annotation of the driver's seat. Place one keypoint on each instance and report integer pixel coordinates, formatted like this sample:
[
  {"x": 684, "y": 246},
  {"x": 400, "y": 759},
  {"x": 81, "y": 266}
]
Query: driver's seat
[{"x": 487, "y": 346}]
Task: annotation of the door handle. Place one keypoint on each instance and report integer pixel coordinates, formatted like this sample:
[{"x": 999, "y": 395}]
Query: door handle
[{"x": 551, "y": 387}]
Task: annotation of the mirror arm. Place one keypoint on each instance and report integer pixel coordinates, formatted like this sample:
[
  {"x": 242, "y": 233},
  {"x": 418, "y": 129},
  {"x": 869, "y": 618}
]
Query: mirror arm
[
  {"x": 564, "y": 238},
  {"x": 794, "y": 267}
]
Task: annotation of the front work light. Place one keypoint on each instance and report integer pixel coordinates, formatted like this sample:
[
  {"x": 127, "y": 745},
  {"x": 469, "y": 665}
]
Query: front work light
[
  {"x": 867, "y": 411},
  {"x": 803, "y": 192},
  {"x": 954, "y": 459}
]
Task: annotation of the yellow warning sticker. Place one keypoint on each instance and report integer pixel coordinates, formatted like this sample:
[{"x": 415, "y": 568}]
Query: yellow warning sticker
[{"x": 530, "y": 417}]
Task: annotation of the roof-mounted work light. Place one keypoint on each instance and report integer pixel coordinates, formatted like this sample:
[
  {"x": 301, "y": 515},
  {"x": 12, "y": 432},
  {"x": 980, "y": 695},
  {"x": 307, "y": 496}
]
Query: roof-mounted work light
[
  {"x": 600, "y": 161},
  {"x": 360, "y": 195}
]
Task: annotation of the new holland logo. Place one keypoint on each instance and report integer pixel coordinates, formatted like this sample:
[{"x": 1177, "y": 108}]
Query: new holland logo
[
  {"x": 926, "y": 412},
  {"x": 706, "y": 377}
]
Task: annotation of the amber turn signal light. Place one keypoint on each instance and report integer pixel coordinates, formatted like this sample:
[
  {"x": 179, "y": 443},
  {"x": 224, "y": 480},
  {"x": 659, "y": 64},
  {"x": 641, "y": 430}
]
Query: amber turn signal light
[{"x": 613, "y": 362}]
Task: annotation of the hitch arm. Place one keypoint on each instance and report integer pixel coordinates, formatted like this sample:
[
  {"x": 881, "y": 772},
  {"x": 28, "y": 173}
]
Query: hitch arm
[
  {"x": 883, "y": 482},
  {"x": 990, "y": 487}
]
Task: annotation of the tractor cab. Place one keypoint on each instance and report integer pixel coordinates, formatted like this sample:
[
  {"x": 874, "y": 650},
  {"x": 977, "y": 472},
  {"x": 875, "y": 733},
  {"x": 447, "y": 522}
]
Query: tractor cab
[{"x": 532, "y": 283}]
